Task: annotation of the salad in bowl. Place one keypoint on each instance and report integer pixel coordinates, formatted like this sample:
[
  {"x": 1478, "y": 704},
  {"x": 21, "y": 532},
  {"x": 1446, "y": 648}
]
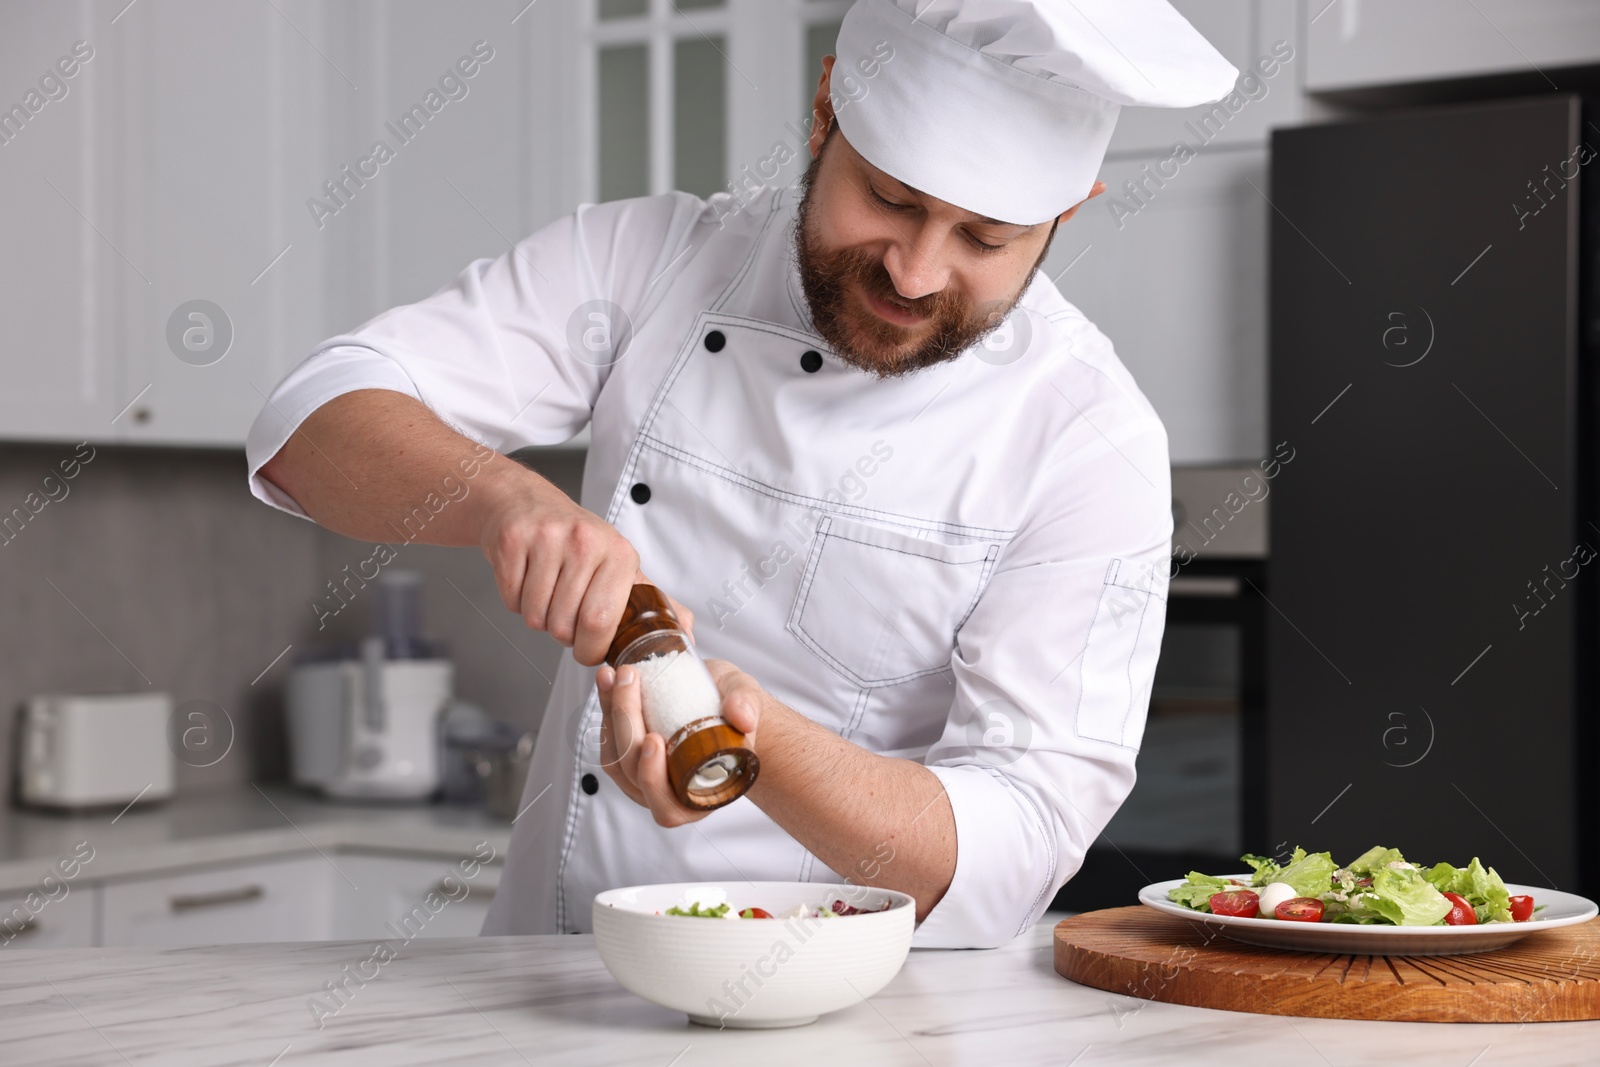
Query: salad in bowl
[{"x": 794, "y": 950}]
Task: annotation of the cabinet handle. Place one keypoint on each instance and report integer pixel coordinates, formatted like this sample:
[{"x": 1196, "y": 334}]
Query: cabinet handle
[
  {"x": 190, "y": 901},
  {"x": 481, "y": 892},
  {"x": 1206, "y": 585},
  {"x": 26, "y": 926}
]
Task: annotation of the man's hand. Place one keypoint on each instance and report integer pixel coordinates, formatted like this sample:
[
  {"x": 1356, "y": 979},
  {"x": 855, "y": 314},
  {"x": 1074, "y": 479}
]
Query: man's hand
[
  {"x": 636, "y": 759},
  {"x": 562, "y": 568},
  {"x": 365, "y": 457}
]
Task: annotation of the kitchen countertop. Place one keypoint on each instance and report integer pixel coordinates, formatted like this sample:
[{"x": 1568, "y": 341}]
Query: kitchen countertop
[
  {"x": 549, "y": 1000},
  {"x": 232, "y": 825}
]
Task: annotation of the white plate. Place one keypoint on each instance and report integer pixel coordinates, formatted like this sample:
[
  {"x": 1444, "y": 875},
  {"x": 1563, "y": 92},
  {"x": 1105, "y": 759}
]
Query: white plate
[{"x": 1560, "y": 909}]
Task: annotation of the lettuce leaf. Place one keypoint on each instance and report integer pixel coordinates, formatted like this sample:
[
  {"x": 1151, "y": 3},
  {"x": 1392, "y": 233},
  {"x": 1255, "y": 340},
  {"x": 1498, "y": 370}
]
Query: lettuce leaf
[
  {"x": 1311, "y": 875},
  {"x": 1373, "y": 860},
  {"x": 1400, "y": 895},
  {"x": 1198, "y": 891},
  {"x": 1264, "y": 866},
  {"x": 1489, "y": 897},
  {"x": 1442, "y": 876},
  {"x": 702, "y": 912}
]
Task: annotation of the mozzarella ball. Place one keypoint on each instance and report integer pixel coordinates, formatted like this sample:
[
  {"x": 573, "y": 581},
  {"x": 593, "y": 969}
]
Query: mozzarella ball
[{"x": 1273, "y": 894}]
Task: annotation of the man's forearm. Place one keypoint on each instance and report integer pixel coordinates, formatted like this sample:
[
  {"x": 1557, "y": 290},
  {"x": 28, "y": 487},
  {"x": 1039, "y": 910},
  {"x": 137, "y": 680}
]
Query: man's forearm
[
  {"x": 874, "y": 819},
  {"x": 366, "y": 460}
]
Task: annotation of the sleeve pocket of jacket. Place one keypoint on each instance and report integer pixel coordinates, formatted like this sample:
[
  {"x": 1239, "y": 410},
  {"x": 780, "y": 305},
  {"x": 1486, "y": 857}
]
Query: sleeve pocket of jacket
[{"x": 1119, "y": 658}]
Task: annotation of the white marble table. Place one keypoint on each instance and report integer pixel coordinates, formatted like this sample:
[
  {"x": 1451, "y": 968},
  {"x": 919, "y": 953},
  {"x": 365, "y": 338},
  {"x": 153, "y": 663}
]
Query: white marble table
[{"x": 548, "y": 1000}]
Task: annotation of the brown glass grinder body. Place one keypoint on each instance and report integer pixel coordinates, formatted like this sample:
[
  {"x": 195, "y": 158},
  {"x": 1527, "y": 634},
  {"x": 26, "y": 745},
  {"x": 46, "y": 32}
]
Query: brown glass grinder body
[{"x": 709, "y": 763}]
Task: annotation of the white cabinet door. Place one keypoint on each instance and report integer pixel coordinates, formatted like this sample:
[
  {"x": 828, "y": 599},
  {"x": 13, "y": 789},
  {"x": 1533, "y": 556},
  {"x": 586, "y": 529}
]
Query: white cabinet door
[
  {"x": 221, "y": 115},
  {"x": 282, "y": 900},
  {"x": 1361, "y": 43},
  {"x": 1177, "y": 280},
  {"x": 471, "y": 181},
  {"x": 396, "y": 897},
  {"x": 36, "y": 921},
  {"x": 61, "y": 266}
]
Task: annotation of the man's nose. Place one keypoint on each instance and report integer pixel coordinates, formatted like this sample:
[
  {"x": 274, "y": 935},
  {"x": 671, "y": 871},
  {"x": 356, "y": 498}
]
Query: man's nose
[{"x": 913, "y": 263}]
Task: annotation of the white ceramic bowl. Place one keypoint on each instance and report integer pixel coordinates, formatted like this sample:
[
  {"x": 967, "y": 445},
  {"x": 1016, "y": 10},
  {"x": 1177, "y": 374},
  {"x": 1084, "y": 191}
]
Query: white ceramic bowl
[{"x": 752, "y": 973}]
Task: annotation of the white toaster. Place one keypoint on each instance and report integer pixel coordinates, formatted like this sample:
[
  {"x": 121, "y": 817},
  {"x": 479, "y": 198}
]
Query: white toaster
[{"x": 94, "y": 751}]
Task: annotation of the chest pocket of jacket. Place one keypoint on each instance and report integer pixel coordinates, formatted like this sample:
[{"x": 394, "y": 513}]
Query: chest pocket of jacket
[{"x": 882, "y": 607}]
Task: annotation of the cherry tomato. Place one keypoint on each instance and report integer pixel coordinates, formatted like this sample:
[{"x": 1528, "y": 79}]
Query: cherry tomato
[
  {"x": 1461, "y": 913},
  {"x": 1300, "y": 910},
  {"x": 1521, "y": 909},
  {"x": 1242, "y": 902},
  {"x": 755, "y": 913}
]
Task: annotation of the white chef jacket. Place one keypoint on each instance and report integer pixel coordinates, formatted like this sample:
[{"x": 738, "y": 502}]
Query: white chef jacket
[{"x": 966, "y": 567}]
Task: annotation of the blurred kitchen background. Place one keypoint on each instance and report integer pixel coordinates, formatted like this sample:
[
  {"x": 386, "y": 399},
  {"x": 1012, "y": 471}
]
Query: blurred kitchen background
[{"x": 167, "y": 159}]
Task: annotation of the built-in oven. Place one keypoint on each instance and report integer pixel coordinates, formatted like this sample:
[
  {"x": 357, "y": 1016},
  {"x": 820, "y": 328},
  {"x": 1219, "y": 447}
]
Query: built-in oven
[{"x": 1199, "y": 800}]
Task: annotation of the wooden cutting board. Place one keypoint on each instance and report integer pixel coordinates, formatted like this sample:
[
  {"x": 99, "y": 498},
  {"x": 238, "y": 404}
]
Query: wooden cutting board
[{"x": 1552, "y": 976}]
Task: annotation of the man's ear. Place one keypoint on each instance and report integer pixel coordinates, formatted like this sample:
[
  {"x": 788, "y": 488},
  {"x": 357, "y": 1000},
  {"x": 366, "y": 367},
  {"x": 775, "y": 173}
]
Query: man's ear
[
  {"x": 1096, "y": 190},
  {"x": 822, "y": 108}
]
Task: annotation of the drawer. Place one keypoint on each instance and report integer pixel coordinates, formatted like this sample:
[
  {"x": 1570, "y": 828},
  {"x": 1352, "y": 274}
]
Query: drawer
[
  {"x": 399, "y": 897},
  {"x": 290, "y": 899},
  {"x": 36, "y": 921}
]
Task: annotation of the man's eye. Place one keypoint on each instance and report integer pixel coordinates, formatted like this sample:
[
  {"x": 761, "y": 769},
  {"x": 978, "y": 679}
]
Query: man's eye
[
  {"x": 982, "y": 247},
  {"x": 890, "y": 204}
]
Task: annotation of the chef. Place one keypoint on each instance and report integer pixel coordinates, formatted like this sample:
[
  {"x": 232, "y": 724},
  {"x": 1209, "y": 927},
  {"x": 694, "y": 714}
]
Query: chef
[{"x": 917, "y": 508}]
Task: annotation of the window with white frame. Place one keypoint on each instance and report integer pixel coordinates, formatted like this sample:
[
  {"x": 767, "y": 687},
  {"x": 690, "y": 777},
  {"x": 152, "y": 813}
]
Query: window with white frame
[
  {"x": 679, "y": 92},
  {"x": 661, "y": 96}
]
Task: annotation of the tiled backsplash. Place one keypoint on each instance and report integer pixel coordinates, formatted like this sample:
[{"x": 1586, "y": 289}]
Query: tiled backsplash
[{"x": 156, "y": 569}]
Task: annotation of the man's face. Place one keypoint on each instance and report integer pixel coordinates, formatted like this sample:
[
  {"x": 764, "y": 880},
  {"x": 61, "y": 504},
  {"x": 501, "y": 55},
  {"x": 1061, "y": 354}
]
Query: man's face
[{"x": 898, "y": 280}]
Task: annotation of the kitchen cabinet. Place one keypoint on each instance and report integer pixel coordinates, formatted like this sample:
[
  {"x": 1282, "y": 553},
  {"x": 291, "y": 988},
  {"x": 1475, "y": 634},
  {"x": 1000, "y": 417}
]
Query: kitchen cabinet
[
  {"x": 218, "y": 112},
  {"x": 290, "y": 899},
  {"x": 391, "y": 897},
  {"x": 1183, "y": 230},
  {"x": 159, "y": 179},
  {"x": 312, "y": 897},
  {"x": 66, "y": 922},
  {"x": 1176, "y": 278},
  {"x": 172, "y": 264},
  {"x": 1356, "y": 44}
]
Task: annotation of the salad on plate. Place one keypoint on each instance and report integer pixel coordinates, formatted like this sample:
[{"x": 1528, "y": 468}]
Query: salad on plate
[{"x": 1379, "y": 887}]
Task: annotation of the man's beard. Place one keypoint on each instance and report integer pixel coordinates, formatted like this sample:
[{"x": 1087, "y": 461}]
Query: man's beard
[{"x": 829, "y": 277}]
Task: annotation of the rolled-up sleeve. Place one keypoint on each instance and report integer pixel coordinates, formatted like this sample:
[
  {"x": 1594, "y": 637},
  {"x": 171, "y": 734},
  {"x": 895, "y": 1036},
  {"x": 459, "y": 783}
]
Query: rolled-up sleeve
[
  {"x": 1053, "y": 671},
  {"x": 504, "y": 352}
]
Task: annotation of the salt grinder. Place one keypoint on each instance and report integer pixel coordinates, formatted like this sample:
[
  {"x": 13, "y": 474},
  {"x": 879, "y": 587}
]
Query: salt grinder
[{"x": 708, "y": 761}]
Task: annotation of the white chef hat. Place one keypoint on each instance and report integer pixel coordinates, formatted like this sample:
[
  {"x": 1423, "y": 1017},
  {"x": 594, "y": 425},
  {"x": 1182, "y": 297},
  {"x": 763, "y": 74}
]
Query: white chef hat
[{"x": 1004, "y": 107}]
